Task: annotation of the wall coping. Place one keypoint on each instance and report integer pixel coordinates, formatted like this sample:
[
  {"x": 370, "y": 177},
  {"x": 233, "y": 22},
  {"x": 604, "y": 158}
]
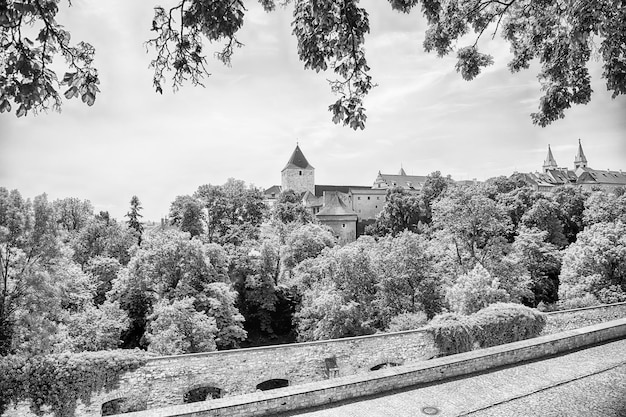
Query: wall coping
[
  {"x": 572, "y": 310},
  {"x": 289, "y": 345},
  {"x": 398, "y": 371},
  {"x": 343, "y": 340}
]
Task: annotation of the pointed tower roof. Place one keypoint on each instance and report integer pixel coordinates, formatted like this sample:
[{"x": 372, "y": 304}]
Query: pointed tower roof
[
  {"x": 298, "y": 160},
  {"x": 402, "y": 172},
  {"x": 550, "y": 162},
  {"x": 580, "y": 160}
]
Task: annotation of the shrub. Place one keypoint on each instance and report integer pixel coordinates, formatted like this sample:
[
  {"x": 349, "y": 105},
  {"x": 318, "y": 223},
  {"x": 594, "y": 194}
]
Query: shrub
[
  {"x": 587, "y": 300},
  {"x": 502, "y": 323},
  {"x": 452, "y": 333},
  {"x": 407, "y": 321},
  {"x": 58, "y": 381}
]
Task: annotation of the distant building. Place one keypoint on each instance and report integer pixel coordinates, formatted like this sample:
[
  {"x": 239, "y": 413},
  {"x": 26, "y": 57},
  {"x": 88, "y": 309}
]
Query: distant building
[
  {"x": 346, "y": 209},
  {"x": 588, "y": 178}
]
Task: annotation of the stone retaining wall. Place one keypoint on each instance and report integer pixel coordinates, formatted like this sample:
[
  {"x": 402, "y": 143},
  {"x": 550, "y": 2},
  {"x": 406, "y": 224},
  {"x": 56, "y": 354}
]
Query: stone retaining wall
[
  {"x": 323, "y": 392},
  {"x": 165, "y": 380}
]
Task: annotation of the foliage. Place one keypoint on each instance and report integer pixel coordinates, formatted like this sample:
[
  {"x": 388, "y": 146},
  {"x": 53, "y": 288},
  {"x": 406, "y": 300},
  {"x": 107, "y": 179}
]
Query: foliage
[
  {"x": 453, "y": 333},
  {"x": 59, "y": 381},
  {"x": 407, "y": 321},
  {"x": 602, "y": 207},
  {"x": 28, "y": 242},
  {"x": 103, "y": 236},
  {"x": 177, "y": 328},
  {"x": 542, "y": 259},
  {"x": 95, "y": 328},
  {"x": 326, "y": 314},
  {"x": 546, "y": 215},
  {"x": 474, "y": 291},
  {"x": 104, "y": 271},
  {"x": 288, "y": 208},
  {"x": 407, "y": 282},
  {"x": 234, "y": 211},
  {"x": 402, "y": 211},
  {"x": 304, "y": 242},
  {"x": 171, "y": 266},
  {"x": 30, "y": 39},
  {"x": 186, "y": 214},
  {"x": 571, "y": 202},
  {"x": 133, "y": 217},
  {"x": 502, "y": 323},
  {"x": 72, "y": 214},
  {"x": 474, "y": 223},
  {"x": 330, "y": 36},
  {"x": 596, "y": 264}
]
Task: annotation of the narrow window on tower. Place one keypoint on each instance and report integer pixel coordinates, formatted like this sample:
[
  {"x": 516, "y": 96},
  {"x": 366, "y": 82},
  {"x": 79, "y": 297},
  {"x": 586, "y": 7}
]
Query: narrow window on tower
[{"x": 300, "y": 172}]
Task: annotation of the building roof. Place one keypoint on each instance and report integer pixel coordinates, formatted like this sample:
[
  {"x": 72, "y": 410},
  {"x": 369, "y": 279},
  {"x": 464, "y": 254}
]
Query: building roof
[
  {"x": 298, "y": 160},
  {"x": 319, "y": 189},
  {"x": 274, "y": 189},
  {"x": 334, "y": 206},
  {"x": 404, "y": 181},
  {"x": 601, "y": 177}
]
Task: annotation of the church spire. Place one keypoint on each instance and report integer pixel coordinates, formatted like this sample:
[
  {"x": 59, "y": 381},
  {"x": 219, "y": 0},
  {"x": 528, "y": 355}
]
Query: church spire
[
  {"x": 580, "y": 160},
  {"x": 550, "y": 162}
]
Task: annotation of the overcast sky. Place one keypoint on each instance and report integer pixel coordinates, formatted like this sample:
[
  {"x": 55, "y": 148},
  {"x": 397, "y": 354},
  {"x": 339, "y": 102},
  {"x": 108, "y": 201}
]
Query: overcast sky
[{"x": 246, "y": 122}]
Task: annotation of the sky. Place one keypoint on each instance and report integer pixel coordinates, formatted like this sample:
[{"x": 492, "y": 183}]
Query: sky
[{"x": 246, "y": 122}]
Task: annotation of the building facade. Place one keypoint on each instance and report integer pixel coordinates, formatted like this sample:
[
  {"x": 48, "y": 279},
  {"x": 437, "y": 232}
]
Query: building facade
[{"x": 581, "y": 175}]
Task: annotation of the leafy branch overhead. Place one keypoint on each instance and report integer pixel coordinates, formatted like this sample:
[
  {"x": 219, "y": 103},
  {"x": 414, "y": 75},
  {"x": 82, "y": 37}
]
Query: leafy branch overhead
[{"x": 562, "y": 35}]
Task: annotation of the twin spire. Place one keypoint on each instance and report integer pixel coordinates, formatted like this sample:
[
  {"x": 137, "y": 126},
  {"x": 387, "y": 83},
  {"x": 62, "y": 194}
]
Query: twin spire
[{"x": 580, "y": 160}]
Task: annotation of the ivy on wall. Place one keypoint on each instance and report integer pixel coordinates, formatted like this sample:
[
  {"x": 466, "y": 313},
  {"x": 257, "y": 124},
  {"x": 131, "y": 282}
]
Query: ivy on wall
[{"x": 55, "y": 383}]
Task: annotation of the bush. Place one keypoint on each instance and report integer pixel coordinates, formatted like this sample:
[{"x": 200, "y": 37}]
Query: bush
[
  {"x": 452, "y": 333},
  {"x": 58, "y": 381},
  {"x": 587, "y": 300},
  {"x": 502, "y": 323},
  {"x": 407, "y": 321}
]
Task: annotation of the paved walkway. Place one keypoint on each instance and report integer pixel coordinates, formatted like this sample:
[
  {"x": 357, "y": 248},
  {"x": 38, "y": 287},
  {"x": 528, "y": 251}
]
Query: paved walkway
[{"x": 588, "y": 382}]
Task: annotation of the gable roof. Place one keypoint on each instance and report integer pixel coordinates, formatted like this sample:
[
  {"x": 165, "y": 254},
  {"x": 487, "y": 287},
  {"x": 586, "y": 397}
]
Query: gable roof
[
  {"x": 319, "y": 189},
  {"x": 297, "y": 160},
  {"x": 602, "y": 177}
]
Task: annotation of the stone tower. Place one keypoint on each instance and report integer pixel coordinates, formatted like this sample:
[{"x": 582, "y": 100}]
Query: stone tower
[
  {"x": 298, "y": 175},
  {"x": 550, "y": 162},
  {"x": 580, "y": 160}
]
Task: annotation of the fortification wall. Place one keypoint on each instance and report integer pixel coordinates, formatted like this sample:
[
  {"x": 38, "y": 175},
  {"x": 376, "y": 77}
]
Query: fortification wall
[
  {"x": 165, "y": 380},
  {"x": 324, "y": 392}
]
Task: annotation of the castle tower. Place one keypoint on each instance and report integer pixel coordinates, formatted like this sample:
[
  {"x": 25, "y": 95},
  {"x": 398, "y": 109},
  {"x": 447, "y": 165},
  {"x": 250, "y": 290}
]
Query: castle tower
[
  {"x": 550, "y": 162},
  {"x": 580, "y": 160},
  {"x": 298, "y": 175}
]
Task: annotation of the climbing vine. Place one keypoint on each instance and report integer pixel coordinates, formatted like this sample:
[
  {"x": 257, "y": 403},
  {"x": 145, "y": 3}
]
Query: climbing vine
[{"x": 56, "y": 382}]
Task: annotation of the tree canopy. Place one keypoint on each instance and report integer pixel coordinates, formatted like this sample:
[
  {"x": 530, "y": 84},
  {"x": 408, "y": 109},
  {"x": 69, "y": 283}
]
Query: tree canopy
[{"x": 561, "y": 35}]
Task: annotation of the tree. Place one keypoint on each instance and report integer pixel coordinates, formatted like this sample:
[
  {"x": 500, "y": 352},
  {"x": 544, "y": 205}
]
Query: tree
[
  {"x": 234, "y": 211},
  {"x": 474, "y": 291},
  {"x": 103, "y": 236},
  {"x": 171, "y": 266},
  {"x": 571, "y": 201},
  {"x": 402, "y": 211},
  {"x": 133, "y": 217},
  {"x": 331, "y": 36},
  {"x": 604, "y": 207},
  {"x": 28, "y": 243},
  {"x": 474, "y": 223},
  {"x": 596, "y": 264},
  {"x": 72, "y": 214},
  {"x": 288, "y": 208},
  {"x": 186, "y": 213},
  {"x": 406, "y": 277},
  {"x": 546, "y": 215},
  {"x": 177, "y": 328}
]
